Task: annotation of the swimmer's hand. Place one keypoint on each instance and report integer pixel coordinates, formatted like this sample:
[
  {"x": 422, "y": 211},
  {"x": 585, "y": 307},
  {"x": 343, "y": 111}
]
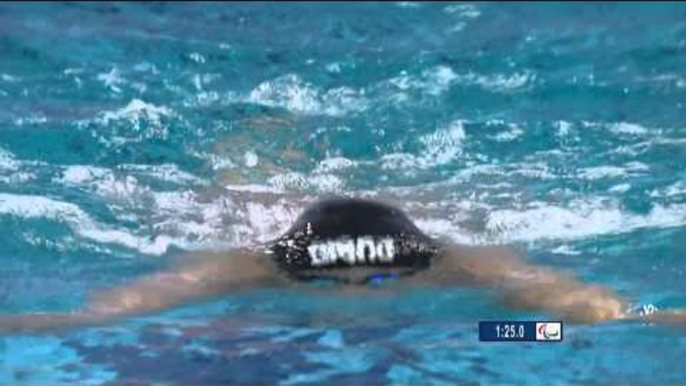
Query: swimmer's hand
[
  {"x": 670, "y": 317},
  {"x": 573, "y": 302}
]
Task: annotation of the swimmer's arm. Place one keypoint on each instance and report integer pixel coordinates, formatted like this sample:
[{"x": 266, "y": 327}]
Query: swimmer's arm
[
  {"x": 200, "y": 276},
  {"x": 526, "y": 286}
]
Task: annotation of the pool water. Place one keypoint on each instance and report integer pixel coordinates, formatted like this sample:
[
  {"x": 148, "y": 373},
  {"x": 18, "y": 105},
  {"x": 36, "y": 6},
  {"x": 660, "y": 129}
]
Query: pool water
[{"x": 132, "y": 133}]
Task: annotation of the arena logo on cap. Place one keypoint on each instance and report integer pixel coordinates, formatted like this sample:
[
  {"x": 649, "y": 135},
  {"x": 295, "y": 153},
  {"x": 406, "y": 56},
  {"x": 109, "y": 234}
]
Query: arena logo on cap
[{"x": 352, "y": 251}]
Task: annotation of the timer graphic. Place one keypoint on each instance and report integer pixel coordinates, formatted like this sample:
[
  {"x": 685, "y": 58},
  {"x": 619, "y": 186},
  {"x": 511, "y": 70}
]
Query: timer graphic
[{"x": 520, "y": 331}]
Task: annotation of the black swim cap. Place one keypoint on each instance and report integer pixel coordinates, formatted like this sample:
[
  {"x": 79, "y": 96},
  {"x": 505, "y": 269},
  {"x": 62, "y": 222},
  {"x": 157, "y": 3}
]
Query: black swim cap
[{"x": 352, "y": 234}]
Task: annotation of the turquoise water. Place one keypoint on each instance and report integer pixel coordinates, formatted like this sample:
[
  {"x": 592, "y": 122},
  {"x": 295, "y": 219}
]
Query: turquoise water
[{"x": 132, "y": 133}]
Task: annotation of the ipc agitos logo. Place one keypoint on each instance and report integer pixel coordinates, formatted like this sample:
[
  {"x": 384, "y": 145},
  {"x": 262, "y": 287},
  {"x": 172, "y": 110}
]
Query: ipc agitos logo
[{"x": 548, "y": 331}]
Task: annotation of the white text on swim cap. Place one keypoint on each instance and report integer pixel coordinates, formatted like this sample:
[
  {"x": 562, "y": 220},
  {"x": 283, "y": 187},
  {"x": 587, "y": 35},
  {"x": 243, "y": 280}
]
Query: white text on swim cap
[{"x": 352, "y": 251}]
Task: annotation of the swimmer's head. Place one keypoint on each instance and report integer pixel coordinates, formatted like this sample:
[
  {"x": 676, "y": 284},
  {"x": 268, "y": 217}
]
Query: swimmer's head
[
  {"x": 345, "y": 233},
  {"x": 354, "y": 217}
]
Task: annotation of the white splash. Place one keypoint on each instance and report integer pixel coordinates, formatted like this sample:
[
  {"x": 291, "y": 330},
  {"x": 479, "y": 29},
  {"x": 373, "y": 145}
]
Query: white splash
[
  {"x": 11, "y": 170},
  {"x": 37, "y": 206},
  {"x": 165, "y": 172},
  {"x": 464, "y": 13},
  {"x": 181, "y": 219},
  {"x": 268, "y": 222},
  {"x": 27, "y": 206},
  {"x": 197, "y": 57},
  {"x": 566, "y": 250},
  {"x": 408, "y": 4},
  {"x": 468, "y": 11},
  {"x": 103, "y": 182},
  {"x": 31, "y": 120},
  {"x": 287, "y": 181},
  {"x": 581, "y": 218},
  {"x": 334, "y": 164},
  {"x": 443, "y": 145},
  {"x": 183, "y": 216},
  {"x": 146, "y": 67},
  {"x": 9, "y": 78},
  {"x": 513, "y": 133},
  {"x": 434, "y": 81},
  {"x": 7, "y": 161},
  {"x": 250, "y": 159},
  {"x": 498, "y": 82},
  {"x": 563, "y": 128},
  {"x": 112, "y": 80},
  {"x": 538, "y": 170},
  {"x": 334, "y": 68},
  {"x": 17, "y": 178},
  {"x": 619, "y": 189},
  {"x": 80, "y": 174},
  {"x": 150, "y": 246},
  {"x": 327, "y": 183},
  {"x": 218, "y": 162},
  {"x": 479, "y": 169},
  {"x": 608, "y": 171},
  {"x": 437, "y": 227},
  {"x": 676, "y": 189},
  {"x": 627, "y": 128},
  {"x": 253, "y": 188},
  {"x": 136, "y": 111},
  {"x": 292, "y": 93},
  {"x": 324, "y": 183},
  {"x": 437, "y": 80},
  {"x": 440, "y": 148},
  {"x": 598, "y": 172}
]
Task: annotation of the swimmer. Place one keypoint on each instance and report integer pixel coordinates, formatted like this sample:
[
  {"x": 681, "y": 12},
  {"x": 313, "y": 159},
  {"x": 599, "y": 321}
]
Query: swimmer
[{"x": 353, "y": 242}]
